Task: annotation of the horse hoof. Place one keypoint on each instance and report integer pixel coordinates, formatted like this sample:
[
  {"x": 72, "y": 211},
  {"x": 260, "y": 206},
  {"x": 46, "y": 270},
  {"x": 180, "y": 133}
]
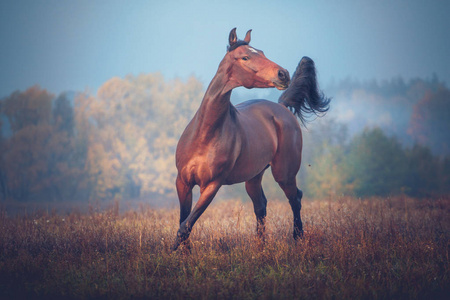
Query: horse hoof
[
  {"x": 185, "y": 246},
  {"x": 175, "y": 245},
  {"x": 298, "y": 234},
  {"x": 174, "y": 248}
]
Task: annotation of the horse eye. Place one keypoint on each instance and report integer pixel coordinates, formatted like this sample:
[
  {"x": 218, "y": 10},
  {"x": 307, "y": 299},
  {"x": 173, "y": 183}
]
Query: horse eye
[{"x": 246, "y": 58}]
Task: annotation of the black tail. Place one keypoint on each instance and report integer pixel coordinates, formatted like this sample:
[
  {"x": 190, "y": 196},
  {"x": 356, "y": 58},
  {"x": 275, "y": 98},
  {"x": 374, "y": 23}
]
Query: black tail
[{"x": 303, "y": 95}]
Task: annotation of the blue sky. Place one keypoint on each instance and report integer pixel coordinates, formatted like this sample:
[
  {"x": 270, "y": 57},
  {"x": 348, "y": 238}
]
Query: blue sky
[{"x": 78, "y": 45}]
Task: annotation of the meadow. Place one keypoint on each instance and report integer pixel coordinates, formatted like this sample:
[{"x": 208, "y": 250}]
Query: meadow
[{"x": 375, "y": 248}]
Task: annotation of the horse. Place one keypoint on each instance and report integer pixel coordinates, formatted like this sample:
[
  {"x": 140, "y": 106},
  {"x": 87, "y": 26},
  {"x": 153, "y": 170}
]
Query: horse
[{"x": 225, "y": 144}]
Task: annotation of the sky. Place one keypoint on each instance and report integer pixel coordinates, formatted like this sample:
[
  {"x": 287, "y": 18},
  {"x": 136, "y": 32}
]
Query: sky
[{"x": 79, "y": 45}]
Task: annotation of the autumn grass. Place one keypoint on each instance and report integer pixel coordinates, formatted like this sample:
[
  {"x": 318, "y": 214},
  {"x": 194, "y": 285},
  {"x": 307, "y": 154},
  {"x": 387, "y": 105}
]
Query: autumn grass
[{"x": 352, "y": 249}]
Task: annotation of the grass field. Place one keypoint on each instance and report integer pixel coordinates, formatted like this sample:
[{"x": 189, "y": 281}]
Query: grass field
[{"x": 352, "y": 249}]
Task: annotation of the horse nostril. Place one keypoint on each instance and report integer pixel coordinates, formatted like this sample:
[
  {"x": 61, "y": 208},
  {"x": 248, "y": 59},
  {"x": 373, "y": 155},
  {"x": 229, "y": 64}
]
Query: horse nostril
[{"x": 281, "y": 75}]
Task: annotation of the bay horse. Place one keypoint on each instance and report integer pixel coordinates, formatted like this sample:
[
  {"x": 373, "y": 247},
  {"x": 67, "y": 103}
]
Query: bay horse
[{"x": 225, "y": 144}]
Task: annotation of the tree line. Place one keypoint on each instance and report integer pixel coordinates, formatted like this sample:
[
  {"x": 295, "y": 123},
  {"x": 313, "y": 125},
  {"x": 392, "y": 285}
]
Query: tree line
[
  {"x": 119, "y": 143},
  {"x": 374, "y": 164}
]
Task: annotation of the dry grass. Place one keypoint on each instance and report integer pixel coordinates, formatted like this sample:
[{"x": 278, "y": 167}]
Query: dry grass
[{"x": 374, "y": 248}]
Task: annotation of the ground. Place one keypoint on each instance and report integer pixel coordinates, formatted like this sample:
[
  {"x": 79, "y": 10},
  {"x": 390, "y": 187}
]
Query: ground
[{"x": 352, "y": 248}]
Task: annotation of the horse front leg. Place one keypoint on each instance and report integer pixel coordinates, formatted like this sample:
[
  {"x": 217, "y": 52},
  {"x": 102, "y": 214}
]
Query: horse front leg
[
  {"x": 184, "y": 192},
  {"x": 206, "y": 196}
]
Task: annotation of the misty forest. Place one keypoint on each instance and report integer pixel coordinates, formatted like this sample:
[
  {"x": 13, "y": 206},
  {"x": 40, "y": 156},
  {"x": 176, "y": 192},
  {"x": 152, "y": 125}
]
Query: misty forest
[{"x": 378, "y": 139}]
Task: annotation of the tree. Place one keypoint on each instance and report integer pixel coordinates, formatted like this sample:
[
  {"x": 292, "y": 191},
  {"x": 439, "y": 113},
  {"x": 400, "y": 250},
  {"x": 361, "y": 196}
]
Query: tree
[
  {"x": 326, "y": 176},
  {"x": 23, "y": 154},
  {"x": 63, "y": 115},
  {"x": 324, "y": 144},
  {"x": 3, "y": 183},
  {"x": 39, "y": 161},
  {"x": 32, "y": 107},
  {"x": 375, "y": 164},
  {"x": 422, "y": 177},
  {"x": 430, "y": 121},
  {"x": 132, "y": 127},
  {"x": 444, "y": 176}
]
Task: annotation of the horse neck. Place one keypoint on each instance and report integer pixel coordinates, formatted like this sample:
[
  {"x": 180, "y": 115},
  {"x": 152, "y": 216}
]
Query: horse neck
[{"x": 216, "y": 106}]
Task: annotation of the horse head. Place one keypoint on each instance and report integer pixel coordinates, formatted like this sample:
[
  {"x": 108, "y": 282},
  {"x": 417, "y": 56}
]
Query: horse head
[{"x": 249, "y": 67}]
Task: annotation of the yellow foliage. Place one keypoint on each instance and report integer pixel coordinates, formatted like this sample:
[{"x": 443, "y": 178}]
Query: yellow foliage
[{"x": 133, "y": 125}]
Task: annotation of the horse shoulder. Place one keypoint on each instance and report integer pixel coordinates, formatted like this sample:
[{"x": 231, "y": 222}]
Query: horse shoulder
[{"x": 201, "y": 160}]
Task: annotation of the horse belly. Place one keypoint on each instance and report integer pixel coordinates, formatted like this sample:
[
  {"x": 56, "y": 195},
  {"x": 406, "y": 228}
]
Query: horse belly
[
  {"x": 244, "y": 172},
  {"x": 253, "y": 159}
]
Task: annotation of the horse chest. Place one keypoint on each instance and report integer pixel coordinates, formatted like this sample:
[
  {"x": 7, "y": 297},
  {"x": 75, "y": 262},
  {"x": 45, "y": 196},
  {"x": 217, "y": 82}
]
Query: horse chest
[{"x": 204, "y": 163}]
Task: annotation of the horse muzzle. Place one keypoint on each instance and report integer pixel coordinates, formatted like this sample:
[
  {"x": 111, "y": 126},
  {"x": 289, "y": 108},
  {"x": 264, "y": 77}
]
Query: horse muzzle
[{"x": 283, "y": 80}]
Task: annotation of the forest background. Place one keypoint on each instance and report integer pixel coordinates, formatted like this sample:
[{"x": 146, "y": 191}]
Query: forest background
[
  {"x": 378, "y": 139},
  {"x": 94, "y": 95}
]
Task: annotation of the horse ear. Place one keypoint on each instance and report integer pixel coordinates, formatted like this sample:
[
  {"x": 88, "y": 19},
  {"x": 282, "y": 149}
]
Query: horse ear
[
  {"x": 248, "y": 37},
  {"x": 233, "y": 38}
]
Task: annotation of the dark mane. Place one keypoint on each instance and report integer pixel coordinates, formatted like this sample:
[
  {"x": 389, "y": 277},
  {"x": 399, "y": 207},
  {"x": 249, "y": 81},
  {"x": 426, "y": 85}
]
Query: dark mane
[{"x": 235, "y": 45}]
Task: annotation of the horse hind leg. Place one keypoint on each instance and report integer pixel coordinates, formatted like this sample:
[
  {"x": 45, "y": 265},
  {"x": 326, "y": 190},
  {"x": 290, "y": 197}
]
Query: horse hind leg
[
  {"x": 296, "y": 206},
  {"x": 256, "y": 193},
  {"x": 294, "y": 196},
  {"x": 285, "y": 166}
]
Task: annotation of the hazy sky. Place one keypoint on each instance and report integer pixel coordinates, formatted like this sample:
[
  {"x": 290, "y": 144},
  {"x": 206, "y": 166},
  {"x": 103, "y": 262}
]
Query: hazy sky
[{"x": 74, "y": 45}]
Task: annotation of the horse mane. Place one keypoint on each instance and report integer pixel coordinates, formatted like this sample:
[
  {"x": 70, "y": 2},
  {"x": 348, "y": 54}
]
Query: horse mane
[
  {"x": 303, "y": 95},
  {"x": 235, "y": 45}
]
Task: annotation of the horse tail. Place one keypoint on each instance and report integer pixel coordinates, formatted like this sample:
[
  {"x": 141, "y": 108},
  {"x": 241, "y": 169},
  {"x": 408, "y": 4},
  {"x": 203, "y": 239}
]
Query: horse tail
[{"x": 303, "y": 95}]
